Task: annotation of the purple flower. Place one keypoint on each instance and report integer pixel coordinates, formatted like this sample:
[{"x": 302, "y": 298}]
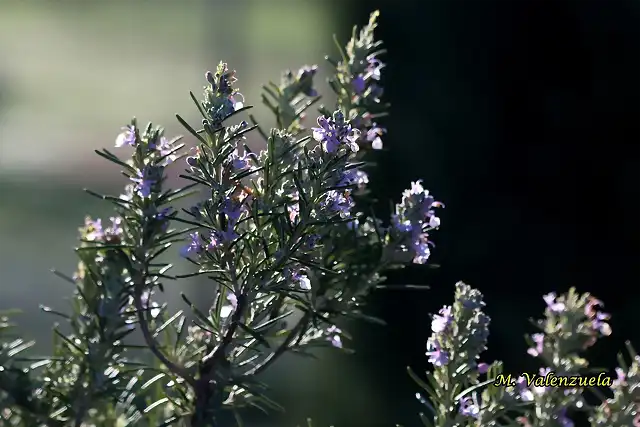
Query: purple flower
[
  {"x": 337, "y": 202},
  {"x": 194, "y": 246},
  {"x": 333, "y": 334},
  {"x": 298, "y": 277},
  {"x": 403, "y": 226},
  {"x": 373, "y": 136},
  {"x": 334, "y": 132},
  {"x": 237, "y": 105},
  {"x": 358, "y": 84},
  {"x": 294, "y": 211},
  {"x": 353, "y": 177},
  {"x": 437, "y": 356},
  {"x": 214, "y": 242},
  {"x": 599, "y": 324},
  {"x": 469, "y": 406},
  {"x": 483, "y": 368},
  {"x": 555, "y": 307},
  {"x": 538, "y": 340},
  {"x": 233, "y": 209},
  {"x": 239, "y": 162},
  {"x": 441, "y": 321},
  {"x": 374, "y": 68},
  {"x": 540, "y": 390},
  {"x": 115, "y": 228},
  {"x": 621, "y": 379},
  {"x": 93, "y": 230},
  {"x": 127, "y": 137},
  {"x": 165, "y": 147},
  {"x": 413, "y": 216},
  {"x": 598, "y": 318},
  {"x": 523, "y": 391},
  {"x": 230, "y": 307},
  {"x": 422, "y": 250},
  {"x": 225, "y": 236},
  {"x": 147, "y": 304},
  {"x": 145, "y": 180},
  {"x": 311, "y": 241}
]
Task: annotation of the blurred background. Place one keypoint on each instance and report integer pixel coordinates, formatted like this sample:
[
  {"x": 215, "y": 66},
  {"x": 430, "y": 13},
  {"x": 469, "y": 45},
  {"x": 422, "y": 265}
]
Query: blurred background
[{"x": 522, "y": 116}]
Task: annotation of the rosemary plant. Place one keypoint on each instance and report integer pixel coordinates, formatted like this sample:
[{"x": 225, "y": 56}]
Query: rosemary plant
[{"x": 287, "y": 239}]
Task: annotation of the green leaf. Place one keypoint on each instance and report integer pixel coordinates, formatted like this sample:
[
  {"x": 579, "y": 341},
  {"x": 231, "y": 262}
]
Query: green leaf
[
  {"x": 114, "y": 159},
  {"x": 156, "y": 404},
  {"x": 167, "y": 323},
  {"x": 199, "y": 105},
  {"x": 254, "y": 334},
  {"x": 152, "y": 381},
  {"x": 473, "y": 388},
  {"x": 200, "y": 315},
  {"x": 191, "y": 130}
]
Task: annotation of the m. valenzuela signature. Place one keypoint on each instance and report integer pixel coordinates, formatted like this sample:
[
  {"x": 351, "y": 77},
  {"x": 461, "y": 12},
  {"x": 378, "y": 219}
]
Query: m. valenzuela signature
[{"x": 552, "y": 380}]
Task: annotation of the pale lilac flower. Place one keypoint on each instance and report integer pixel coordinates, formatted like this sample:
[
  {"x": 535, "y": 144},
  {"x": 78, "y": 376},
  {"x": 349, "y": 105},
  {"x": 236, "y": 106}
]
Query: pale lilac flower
[
  {"x": 538, "y": 340},
  {"x": 333, "y": 334},
  {"x": 598, "y": 318},
  {"x": 233, "y": 209},
  {"x": 229, "y": 234},
  {"x": 165, "y": 147},
  {"x": 358, "y": 84},
  {"x": 540, "y": 390},
  {"x": 127, "y": 137},
  {"x": 554, "y": 306},
  {"x": 403, "y": 226},
  {"x": 294, "y": 211},
  {"x": 237, "y": 105},
  {"x": 353, "y": 177},
  {"x": 523, "y": 391},
  {"x": 621, "y": 378},
  {"x": 239, "y": 162},
  {"x": 437, "y": 356},
  {"x": 334, "y": 132},
  {"x": 93, "y": 229},
  {"x": 145, "y": 180},
  {"x": 483, "y": 368},
  {"x": 214, "y": 241},
  {"x": 442, "y": 320},
  {"x": 194, "y": 246},
  {"x": 374, "y": 68},
  {"x": 147, "y": 304},
  {"x": 413, "y": 216},
  {"x": 298, "y": 277},
  {"x": 230, "y": 307},
  {"x": 422, "y": 251},
  {"x": 469, "y": 406},
  {"x": 599, "y": 324},
  {"x": 304, "y": 282},
  {"x": 374, "y": 137},
  {"x": 337, "y": 202}
]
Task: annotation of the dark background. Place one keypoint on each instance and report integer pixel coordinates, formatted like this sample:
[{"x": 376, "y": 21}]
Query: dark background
[{"x": 523, "y": 117}]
